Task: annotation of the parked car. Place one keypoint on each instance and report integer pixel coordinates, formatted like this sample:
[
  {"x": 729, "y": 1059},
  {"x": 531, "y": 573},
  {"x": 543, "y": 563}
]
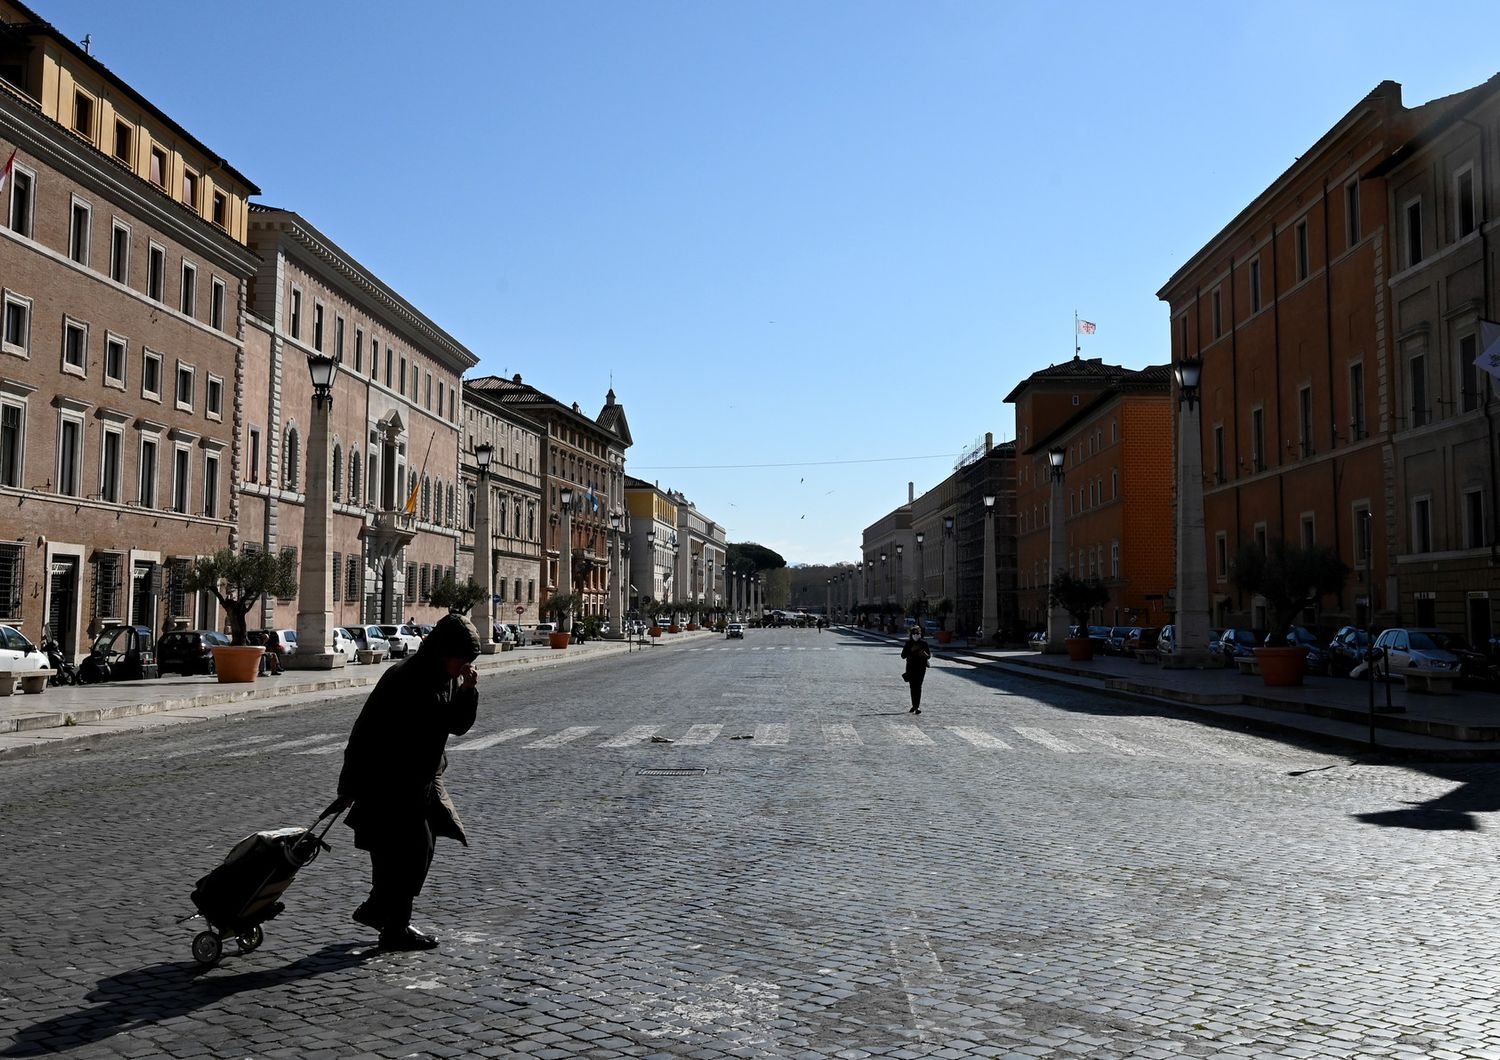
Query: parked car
[
  {"x": 1166, "y": 640},
  {"x": 1427, "y": 650},
  {"x": 369, "y": 638},
  {"x": 544, "y": 628},
  {"x": 1114, "y": 640},
  {"x": 18, "y": 654},
  {"x": 281, "y": 641},
  {"x": 188, "y": 651},
  {"x": 1349, "y": 647},
  {"x": 1142, "y": 638},
  {"x": 344, "y": 643},
  {"x": 120, "y": 653},
  {"x": 1238, "y": 644},
  {"x": 517, "y": 634},
  {"x": 423, "y": 628},
  {"x": 403, "y": 640},
  {"x": 735, "y": 630},
  {"x": 1317, "y": 651}
]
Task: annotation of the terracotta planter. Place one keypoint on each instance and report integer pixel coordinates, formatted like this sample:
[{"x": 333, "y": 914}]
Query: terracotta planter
[
  {"x": 944, "y": 636},
  {"x": 1282, "y": 667},
  {"x": 674, "y": 628},
  {"x": 692, "y": 627},
  {"x": 237, "y": 664},
  {"x": 558, "y": 640},
  {"x": 654, "y": 631},
  {"x": 1080, "y": 649}
]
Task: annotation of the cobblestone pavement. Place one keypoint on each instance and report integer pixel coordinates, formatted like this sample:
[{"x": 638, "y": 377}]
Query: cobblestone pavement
[{"x": 1021, "y": 871}]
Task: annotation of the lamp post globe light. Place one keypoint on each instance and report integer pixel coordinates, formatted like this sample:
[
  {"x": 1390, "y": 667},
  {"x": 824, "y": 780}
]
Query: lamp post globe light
[
  {"x": 484, "y": 575},
  {"x": 315, "y": 580},
  {"x": 565, "y": 557},
  {"x": 989, "y": 619},
  {"x": 1057, "y": 617},
  {"x": 1191, "y": 618}
]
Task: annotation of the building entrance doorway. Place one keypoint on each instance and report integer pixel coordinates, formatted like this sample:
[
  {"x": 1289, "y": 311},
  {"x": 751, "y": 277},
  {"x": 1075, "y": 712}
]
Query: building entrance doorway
[{"x": 62, "y": 604}]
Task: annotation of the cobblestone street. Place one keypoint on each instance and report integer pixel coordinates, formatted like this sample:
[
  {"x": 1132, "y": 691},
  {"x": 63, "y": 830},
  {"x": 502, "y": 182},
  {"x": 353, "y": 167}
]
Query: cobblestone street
[{"x": 1021, "y": 871}]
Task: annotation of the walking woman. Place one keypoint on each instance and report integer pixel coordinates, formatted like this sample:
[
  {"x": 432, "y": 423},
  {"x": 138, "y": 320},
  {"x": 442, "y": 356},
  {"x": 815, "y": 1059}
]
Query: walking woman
[{"x": 917, "y": 655}]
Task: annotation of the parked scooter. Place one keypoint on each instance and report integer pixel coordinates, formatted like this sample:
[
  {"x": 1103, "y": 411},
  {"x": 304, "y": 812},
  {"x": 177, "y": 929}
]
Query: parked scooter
[
  {"x": 63, "y": 670},
  {"x": 94, "y": 669}
]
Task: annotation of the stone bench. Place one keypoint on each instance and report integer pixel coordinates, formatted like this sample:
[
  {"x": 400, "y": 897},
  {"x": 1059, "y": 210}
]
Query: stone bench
[
  {"x": 1248, "y": 665},
  {"x": 1429, "y": 683},
  {"x": 1148, "y": 658},
  {"x": 369, "y": 655},
  {"x": 33, "y": 682}
]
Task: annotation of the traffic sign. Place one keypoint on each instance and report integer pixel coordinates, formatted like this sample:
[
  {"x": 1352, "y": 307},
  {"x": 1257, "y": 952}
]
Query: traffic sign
[{"x": 520, "y": 609}]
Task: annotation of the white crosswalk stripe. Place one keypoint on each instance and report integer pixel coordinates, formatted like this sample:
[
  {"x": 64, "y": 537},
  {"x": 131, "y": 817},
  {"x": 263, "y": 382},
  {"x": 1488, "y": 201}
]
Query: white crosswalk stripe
[
  {"x": 336, "y": 746},
  {"x": 218, "y": 747},
  {"x": 841, "y": 735},
  {"x": 491, "y": 740},
  {"x": 634, "y": 735},
  {"x": 979, "y": 738},
  {"x": 699, "y": 735},
  {"x": 557, "y": 739},
  {"x": 772, "y": 735},
  {"x": 908, "y": 734},
  {"x": 1047, "y": 740},
  {"x": 287, "y": 745},
  {"x": 1114, "y": 743},
  {"x": 1193, "y": 746}
]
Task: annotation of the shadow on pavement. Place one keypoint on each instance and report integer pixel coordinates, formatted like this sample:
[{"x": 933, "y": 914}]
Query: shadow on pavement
[
  {"x": 1452, "y": 811},
  {"x": 150, "y": 995}
]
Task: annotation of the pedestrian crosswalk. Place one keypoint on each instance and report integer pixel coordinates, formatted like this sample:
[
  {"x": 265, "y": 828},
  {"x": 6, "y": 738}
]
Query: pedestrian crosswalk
[
  {"x": 778, "y": 647},
  {"x": 1139, "y": 742}
]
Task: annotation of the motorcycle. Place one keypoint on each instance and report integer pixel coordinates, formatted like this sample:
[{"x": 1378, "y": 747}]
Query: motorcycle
[
  {"x": 94, "y": 669},
  {"x": 63, "y": 670}
]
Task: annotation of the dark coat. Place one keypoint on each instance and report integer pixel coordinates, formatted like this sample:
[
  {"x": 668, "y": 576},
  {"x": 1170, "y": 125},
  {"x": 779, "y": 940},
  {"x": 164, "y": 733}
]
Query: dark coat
[
  {"x": 394, "y": 763},
  {"x": 917, "y": 655}
]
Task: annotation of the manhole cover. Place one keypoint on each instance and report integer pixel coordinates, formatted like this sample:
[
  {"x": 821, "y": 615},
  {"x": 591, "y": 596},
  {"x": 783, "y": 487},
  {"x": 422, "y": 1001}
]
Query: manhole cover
[{"x": 671, "y": 772}]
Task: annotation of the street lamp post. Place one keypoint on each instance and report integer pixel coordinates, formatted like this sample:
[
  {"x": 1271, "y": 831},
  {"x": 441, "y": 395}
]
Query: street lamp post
[
  {"x": 484, "y": 621},
  {"x": 565, "y": 558},
  {"x": 900, "y": 580},
  {"x": 989, "y": 618},
  {"x": 315, "y": 585},
  {"x": 616, "y": 586},
  {"x": 655, "y": 592},
  {"x": 1191, "y": 618},
  {"x": 921, "y": 573},
  {"x": 1057, "y": 617}
]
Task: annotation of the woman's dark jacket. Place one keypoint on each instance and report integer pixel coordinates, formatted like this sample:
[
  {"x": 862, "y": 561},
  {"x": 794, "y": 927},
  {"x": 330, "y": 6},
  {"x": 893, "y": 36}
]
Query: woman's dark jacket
[
  {"x": 394, "y": 763},
  {"x": 917, "y": 655}
]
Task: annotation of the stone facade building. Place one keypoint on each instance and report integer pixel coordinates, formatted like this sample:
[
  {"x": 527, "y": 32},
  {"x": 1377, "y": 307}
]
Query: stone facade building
[
  {"x": 653, "y": 560},
  {"x": 515, "y": 500}
]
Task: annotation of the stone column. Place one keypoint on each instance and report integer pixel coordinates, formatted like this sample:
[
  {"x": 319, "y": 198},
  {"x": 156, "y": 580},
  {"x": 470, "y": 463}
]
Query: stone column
[
  {"x": 484, "y": 562},
  {"x": 989, "y": 617},
  {"x": 1192, "y": 614},
  {"x": 1057, "y": 618},
  {"x": 616, "y": 588},
  {"x": 315, "y": 588}
]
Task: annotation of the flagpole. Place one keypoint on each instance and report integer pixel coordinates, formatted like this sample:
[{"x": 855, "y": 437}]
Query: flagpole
[
  {"x": 1077, "y": 346},
  {"x": 411, "y": 498}
]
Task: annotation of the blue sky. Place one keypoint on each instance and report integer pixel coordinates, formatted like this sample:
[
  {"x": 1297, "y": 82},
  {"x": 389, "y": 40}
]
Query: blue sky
[{"x": 788, "y": 233}]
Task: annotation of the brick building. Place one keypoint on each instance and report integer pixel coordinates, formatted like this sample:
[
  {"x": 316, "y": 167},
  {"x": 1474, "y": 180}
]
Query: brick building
[
  {"x": 123, "y": 268},
  {"x": 515, "y": 499},
  {"x": 1114, "y": 426}
]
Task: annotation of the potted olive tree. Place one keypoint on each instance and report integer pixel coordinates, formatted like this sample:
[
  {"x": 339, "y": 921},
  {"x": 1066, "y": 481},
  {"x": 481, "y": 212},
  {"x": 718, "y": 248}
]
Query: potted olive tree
[
  {"x": 942, "y": 609},
  {"x": 560, "y": 606},
  {"x": 458, "y": 598},
  {"x": 238, "y": 580},
  {"x": 1290, "y": 578},
  {"x": 1078, "y": 597}
]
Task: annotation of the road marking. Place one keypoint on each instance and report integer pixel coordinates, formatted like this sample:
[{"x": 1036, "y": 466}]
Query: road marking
[
  {"x": 1047, "y": 740},
  {"x": 337, "y": 745},
  {"x": 491, "y": 740},
  {"x": 908, "y": 734},
  {"x": 926, "y": 984},
  {"x": 979, "y": 738},
  {"x": 634, "y": 735},
  {"x": 772, "y": 735},
  {"x": 216, "y": 748},
  {"x": 842, "y": 735},
  {"x": 700, "y": 734},
  {"x": 286, "y": 745},
  {"x": 557, "y": 739},
  {"x": 1114, "y": 743},
  {"x": 1192, "y": 745}
]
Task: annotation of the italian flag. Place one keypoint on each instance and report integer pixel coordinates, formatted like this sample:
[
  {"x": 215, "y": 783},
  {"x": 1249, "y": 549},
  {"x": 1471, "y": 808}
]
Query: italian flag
[{"x": 5, "y": 173}]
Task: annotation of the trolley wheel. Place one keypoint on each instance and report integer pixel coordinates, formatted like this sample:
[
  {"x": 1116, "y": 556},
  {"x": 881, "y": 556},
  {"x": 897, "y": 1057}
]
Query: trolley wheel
[
  {"x": 207, "y": 949},
  {"x": 249, "y": 940}
]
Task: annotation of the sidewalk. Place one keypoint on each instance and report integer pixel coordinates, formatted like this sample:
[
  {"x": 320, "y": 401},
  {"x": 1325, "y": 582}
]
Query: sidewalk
[
  {"x": 74, "y": 714},
  {"x": 1463, "y": 725}
]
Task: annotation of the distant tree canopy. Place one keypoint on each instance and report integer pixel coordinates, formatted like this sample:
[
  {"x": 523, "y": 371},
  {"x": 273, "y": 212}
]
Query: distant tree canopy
[{"x": 750, "y": 558}]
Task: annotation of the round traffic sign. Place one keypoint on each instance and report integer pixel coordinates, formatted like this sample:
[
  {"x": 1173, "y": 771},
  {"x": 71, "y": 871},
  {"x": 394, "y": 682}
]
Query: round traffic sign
[{"x": 520, "y": 609}]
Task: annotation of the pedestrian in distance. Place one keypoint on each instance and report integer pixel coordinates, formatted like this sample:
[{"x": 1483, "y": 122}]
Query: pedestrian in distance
[
  {"x": 917, "y": 655},
  {"x": 392, "y": 781}
]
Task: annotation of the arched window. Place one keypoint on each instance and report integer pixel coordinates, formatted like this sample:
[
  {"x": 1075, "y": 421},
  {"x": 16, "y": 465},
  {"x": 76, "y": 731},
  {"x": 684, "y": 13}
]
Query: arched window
[
  {"x": 426, "y": 499},
  {"x": 338, "y": 472},
  {"x": 372, "y": 480},
  {"x": 451, "y": 513},
  {"x": 291, "y": 459},
  {"x": 470, "y": 502},
  {"x": 354, "y": 494}
]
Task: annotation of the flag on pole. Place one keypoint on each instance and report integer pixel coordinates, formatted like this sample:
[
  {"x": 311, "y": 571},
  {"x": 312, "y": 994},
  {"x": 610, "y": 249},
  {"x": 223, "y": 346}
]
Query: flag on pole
[
  {"x": 1086, "y": 327},
  {"x": 1489, "y": 345},
  {"x": 5, "y": 173},
  {"x": 416, "y": 485}
]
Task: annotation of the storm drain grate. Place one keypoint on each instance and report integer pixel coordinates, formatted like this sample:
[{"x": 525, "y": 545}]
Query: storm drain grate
[{"x": 672, "y": 773}]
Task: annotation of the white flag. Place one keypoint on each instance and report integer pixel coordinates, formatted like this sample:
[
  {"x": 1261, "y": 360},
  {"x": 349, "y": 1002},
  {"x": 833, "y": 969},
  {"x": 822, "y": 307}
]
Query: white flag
[{"x": 1489, "y": 346}]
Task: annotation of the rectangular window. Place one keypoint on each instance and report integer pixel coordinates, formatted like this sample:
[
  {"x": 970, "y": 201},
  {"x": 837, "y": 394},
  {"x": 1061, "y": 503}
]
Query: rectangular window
[
  {"x": 411, "y": 581},
  {"x": 1421, "y": 525},
  {"x": 427, "y": 400},
  {"x": 124, "y": 136},
  {"x": 1473, "y": 379},
  {"x": 1351, "y": 211},
  {"x": 189, "y": 303},
  {"x": 440, "y": 397},
  {"x": 1357, "y": 429},
  {"x": 151, "y": 374},
  {"x": 109, "y": 465},
  {"x": 1474, "y": 535},
  {"x": 185, "y": 387},
  {"x": 22, "y": 193},
  {"x": 220, "y": 209},
  {"x": 416, "y": 378},
  {"x": 1361, "y": 531},
  {"x": 1305, "y": 419},
  {"x": 190, "y": 188},
  {"x": 359, "y": 350},
  {"x": 114, "y": 360},
  {"x": 452, "y": 416},
  {"x": 318, "y": 326},
  {"x": 1304, "y": 259},
  {"x": 352, "y": 579},
  {"x": 1221, "y": 556},
  {"x": 1417, "y": 372},
  {"x": 1413, "y": 232},
  {"x": 75, "y": 347},
  {"x": 388, "y": 366},
  {"x": 17, "y": 334},
  {"x": 213, "y": 402},
  {"x": 296, "y": 321},
  {"x": 83, "y": 114},
  {"x": 403, "y": 377},
  {"x": 211, "y": 485},
  {"x": 292, "y": 552},
  {"x": 156, "y": 273},
  {"x": 158, "y": 167},
  {"x": 254, "y": 449},
  {"x": 69, "y": 456},
  {"x": 337, "y": 569},
  {"x": 1463, "y": 206},
  {"x": 12, "y": 437},
  {"x": 1218, "y": 454},
  {"x": 1258, "y": 439},
  {"x": 119, "y": 253},
  {"x": 181, "y": 457},
  {"x": 216, "y": 305},
  {"x": 147, "y": 493},
  {"x": 1255, "y": 286},
  {"x": 1309, "y": 530},
  {"x": 1216, "y": 303},
  {"x": 79, "y": 225}
]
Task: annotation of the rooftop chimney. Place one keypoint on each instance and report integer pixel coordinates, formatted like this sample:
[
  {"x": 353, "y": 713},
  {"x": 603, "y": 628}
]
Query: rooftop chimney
[
  {"x": 989, "y": 441},
  {"x": 911, "y": 492}
]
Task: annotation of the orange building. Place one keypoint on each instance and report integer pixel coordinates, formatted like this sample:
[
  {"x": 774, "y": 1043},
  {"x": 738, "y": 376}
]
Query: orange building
[{"x": 1114, "y": 426}]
